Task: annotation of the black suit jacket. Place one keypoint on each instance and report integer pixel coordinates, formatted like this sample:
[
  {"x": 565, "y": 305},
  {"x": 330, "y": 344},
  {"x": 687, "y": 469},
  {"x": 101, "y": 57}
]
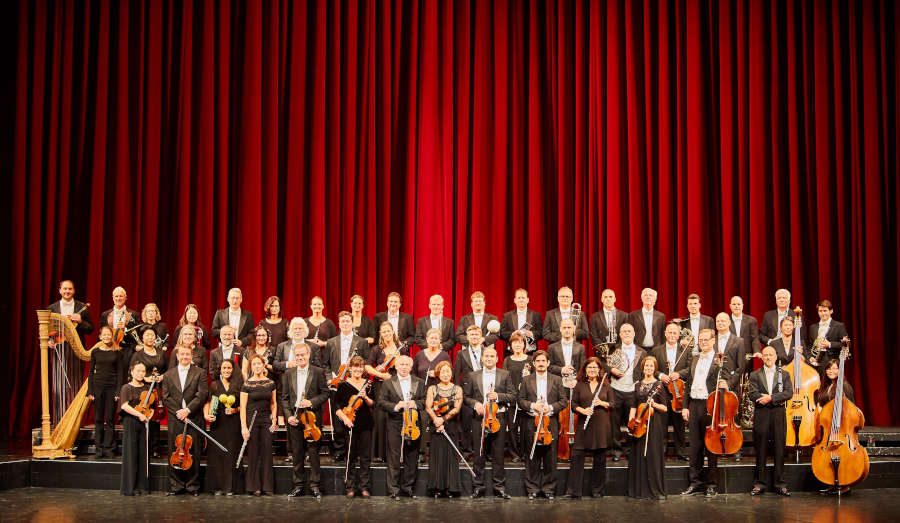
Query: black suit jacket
[
  {"x": 683, "y": 360},
  {"x": 759, "y": 387},
  {"x": 706, "y": 322},
  {"x": 636, "y": 319},
  {"x": 770, "y": 329},
  {"x": 215, "y": 360},
  {"x": 448, "y": 340},
  {"x": 331, "y": 355},
  {"x": 406, "y": 330},
  {"x": 194, "y": 393},
  {"x": 728, "y": 374},
  {"x": 638, "y": 371},
  {"x": 510, "y": 324},
  {"x": 129, "y": 340},
  {"x": 245, "y": 329},
  {"x": 316, "y": 390},
  {"x": 463, "y": 366},
  {"x": 469, "y": 319},
  {"x": 558, "y": 360},
  {"x": 784, "y": 354},
  {"x": 749, "y": 332},
  {"x": 552, "y": 320},
  {"x": 474, "y": 393},
  {"x": 85, "y": 327},
  {"x": 735, "y": 350},
  {"x": 390, "y": 394},
  {"x": 835, "y": 333},
  {"x": 557, "y": 397},
  {"x": 599, "y": 330}
]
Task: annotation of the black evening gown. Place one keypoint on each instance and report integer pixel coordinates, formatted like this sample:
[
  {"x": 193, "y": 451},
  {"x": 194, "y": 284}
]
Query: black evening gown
[
  {"x": 260, "y": 470},
  {"x": 646, "y": 474},
  {"x": 134, "y": 444},
  {"x": 227, "y": 431},
  {"x": 443, "y": 465},
  {"x": 379, "y": 435}
]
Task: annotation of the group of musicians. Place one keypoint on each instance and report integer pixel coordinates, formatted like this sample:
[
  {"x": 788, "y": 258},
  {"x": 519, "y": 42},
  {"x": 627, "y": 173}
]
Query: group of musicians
[{"x": 361, "y": 372}]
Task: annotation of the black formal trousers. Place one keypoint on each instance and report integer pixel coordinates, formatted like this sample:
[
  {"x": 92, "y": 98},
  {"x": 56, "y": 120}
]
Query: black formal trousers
[
  {"x": 494, "y": 445},
  {"x": 185, "y": 479},
  {"x": 575, "y": 481},
  {"x": 621, "y": 406},
  {"x": 697, "y": 422},
  {"x": 360, "y": 448},
  {"x": 401, "y": 478},
  {"x": 769, "y": 429},
  {"x": 260, "y": 469},
  {"x": 300, "y": 448},
  {"x": 104, "y": 418},
  {"x": 134, "y": 456},
  {"x": 540, "y": 471}
]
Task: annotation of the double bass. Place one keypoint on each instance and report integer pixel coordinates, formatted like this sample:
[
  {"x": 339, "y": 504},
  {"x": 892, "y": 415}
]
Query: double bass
[
  {"x": 801, "y": 409},
  {"x": 723, "y": 436},
  {"x": 838, "y": 459}
]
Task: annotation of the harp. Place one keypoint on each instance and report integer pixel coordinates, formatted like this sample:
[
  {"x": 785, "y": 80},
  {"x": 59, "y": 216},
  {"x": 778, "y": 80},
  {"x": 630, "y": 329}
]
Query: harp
[{"x": 59, "y": 442}]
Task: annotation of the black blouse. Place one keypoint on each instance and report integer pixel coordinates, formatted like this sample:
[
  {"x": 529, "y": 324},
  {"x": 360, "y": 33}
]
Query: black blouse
[
  {"x": 364, "y": 419},
  {"x": 259, "y": 398}
]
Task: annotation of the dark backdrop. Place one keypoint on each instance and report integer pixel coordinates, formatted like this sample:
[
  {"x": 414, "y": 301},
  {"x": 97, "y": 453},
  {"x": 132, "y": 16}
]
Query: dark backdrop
[{"x": 339, "y": 147}]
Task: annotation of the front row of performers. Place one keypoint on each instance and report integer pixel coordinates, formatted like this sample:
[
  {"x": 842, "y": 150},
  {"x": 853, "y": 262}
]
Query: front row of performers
[{"x": 524, "y": 401}]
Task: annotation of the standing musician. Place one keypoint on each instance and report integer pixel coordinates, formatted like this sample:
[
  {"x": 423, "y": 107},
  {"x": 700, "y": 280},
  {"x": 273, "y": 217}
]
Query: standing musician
[
  {"x": 696, "y": 321},
  {"x": 622, "y": 383},
  {"x": 387, "y": 351},
  {"x": 226, "y": 350},
  {"x": 542, "y": 393},
  {"x": 826, "y": 335},
  {"x": 424, "y": 365},
  {"x": 274, "y": 321},
  {"x": 436, "y": 320},
  {"x": 361, "y": 425},
  {"x": 732, "y": 346},
  {"x": 260, "y": 346},
  {"x": 284, "y": 360},
  {"x": 646, "y": 466},
  {"x": 443, "y": 466},
  {"x": 605, "y": 322},
  {"x": 592, "y": 401},
  {"x": 770, "y": 387},
  {"x": 155, "y": 366},
  {"x": 672, "y": 358},
  {"x": 258, "y": 422},
  {"x": 554, "y": 317},
  {"x": 68, "y": 306},
  {"x": 225, "y": 427},
  {"x": 68, "y": 370},
  {"x": 566, "y": 356},
  {"x": 402, "y": 392},
  {"x": 184, "y": 393},
  {"x": 401, "y": 322},
  {"x": 337, "y": 352},
  {"x": 518, "y": 364},
  {"x": 151, "y": 317},
  {"x": 744, "y": 326},
  {"x": 468, "y": 360},
  {"x": 135, "y": 479},
  {"x": 521, "y": 319},
  {"x": 321, "y": 327},
  {"x": 824, "y": 395},
  {"x": 362, "y": 325},
  {"x": 784, "y": 344},
  {"x": 489, "y": 385},
  {"x": 121, "y": 318},
  {"x": 700, "y": 382},
  {"x": 103, "y": 388},
  {"x": 187, "y": 337},
  {"x": 479, "y": 318},
  {"x": 771, "y": 323},
  {"x": 303, "y": 387},
  {"x": 239, "y": 319},
  {"x": 647, "y": 322},
  {"x": 191, "y": 317}
]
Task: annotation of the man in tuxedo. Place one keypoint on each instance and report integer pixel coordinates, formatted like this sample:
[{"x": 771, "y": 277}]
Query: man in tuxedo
[
  {"x": 729, "y": 344},
  {"x": 69, "y": 307},
  {"x": 541, "y": 393},
  {"x": 401, "y": 321},
  {"x": 745, "y": 327},
  {"x": 700, "y": 380},
  {"x": 306, "y": 381},
  {"x": 673, "y": 357},
  {"x": 479, "y": 318},
  {"x": 565, "y": 310},
  {"x": 696, "y": 321},
  {"x": 648, "y": 323},
  {"x": 122, "y": 317},
  {"x": 605, "y": 323},
  {"x": 68, "y": 365},
  {"x": 239, "y": 319},
  {"x": 285, "y": 359},
  {"x": 622, "y": 382},
  {"x": 522, "y": 319},
  {"x": 771, "y": 324},
  {"x": 402, "y": 392},
  {"x": 566, "y": 356},
  {"x": 184, "y": 394},
  {"x": 826, "y": 335},
  {"x": 226, "y": 350},
  {"x": 337, "y": 353},
  {"x": 468, "y": 360},
  {"x": 436, "y": 320},
  {"x": 487, "y": 385},
  {"x": 770, "y": 387}
]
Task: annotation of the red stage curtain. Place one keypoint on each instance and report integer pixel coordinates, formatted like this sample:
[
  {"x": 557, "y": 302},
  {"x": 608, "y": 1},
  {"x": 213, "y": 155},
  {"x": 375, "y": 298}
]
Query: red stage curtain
[{"x": 339, "y": 147}]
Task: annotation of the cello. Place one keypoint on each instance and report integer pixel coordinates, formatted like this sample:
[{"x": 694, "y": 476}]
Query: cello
[
  {"x": 838, "y": 459},
  {"x": 723, "y": 436},
  {"x": 801, "y": 409}
]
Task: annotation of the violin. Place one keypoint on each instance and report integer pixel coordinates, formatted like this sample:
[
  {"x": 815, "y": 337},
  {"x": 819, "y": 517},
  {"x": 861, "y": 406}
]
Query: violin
[
  {"x": 181, "y": 455},
  {"x": 676, "y": 390},
  {"x": 341, "y": 373},
  {"x": 354, "y": 404},
  {"x": 410, "y": 428},
  {"x": 148, "y": 398},
  {"x": 441, "y": 406},
  {"x": 307, "y": 418},
  {"x": 640, "y": 422},
  {"x": 723, "y": 436},
  {"x": 542, "y": 434},
  {"x": 838, "y": 459},
  {"x": 386, "y": 365},
  {"x": 490, "y": 422}
]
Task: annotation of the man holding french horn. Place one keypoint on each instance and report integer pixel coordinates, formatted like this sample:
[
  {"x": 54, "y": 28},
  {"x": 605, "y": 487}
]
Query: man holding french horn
[{"x": 624, "y": 369}]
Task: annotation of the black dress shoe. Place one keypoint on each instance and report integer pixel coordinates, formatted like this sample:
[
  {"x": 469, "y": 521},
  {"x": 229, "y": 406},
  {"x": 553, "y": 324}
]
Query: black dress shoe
[
  {"x": 711, "y": 492},
  {"x": 551, "y": 497},
  {"x": 692, "y": 490},
  {"x": 395, "y": 497},
  {"x": 571, "y": 496},
  {"x": 195, "y": 493},
  {"x": 365, "y": 494},
  {"x": 296, "y": 493},
  {"x": 257, "y": 493},
  {"x": 501, "y": 494},
  {"x": 756, "y": 490},
  {"x": 533, "y": 495},
  {"x": 175, "y": 492},
  {"x": 783, "y": 491},
  {"x": 477, "y": 493},
  {"x": 316, "y": 493}
]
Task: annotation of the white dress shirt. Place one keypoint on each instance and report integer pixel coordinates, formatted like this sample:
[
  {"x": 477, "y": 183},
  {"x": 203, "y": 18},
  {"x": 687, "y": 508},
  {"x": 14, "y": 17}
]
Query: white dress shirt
[{"x": 701, "y": 371}]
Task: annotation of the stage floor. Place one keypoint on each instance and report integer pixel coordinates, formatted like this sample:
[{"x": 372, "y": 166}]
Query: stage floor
[{"x": 43, "y": 504}]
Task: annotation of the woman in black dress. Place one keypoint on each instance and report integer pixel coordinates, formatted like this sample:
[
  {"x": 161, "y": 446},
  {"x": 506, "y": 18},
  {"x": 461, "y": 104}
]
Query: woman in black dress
[
  {"x": 260, "y": 346},
  {"x": 321, "y": 329},
  {"x": 360, "y": 440},
  {"x": 825, "y": 394},
  {"x": 381, "y": 366},
  {"x": 103, "y": 389},
  {"x": 363, "y": 326},
  {"x": 518, "y": 366},
  {"x": 225, "y": 427},
  {"x": 647, "y": 463},
  {"x": 155, "y": 364},
  {"x": 187, "y": 337},
  {"x": 592, "y": 397},
  {"x": 191, "y": 316},
  {"x": 151, "y": 317},
  {"x": 258, "y": 396},
  {"x": 134, "y": 449},
  {"x": 443, "y": 465},
  {"x": 274, "y": 321}
]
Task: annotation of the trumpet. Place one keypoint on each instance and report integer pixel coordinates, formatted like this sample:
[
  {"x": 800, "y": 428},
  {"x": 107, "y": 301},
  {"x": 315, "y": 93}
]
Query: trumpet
[
  {"x": 576, "y": 314},
  {"x": 814, "y": 351},
  {"x": 530, "y": 345}
]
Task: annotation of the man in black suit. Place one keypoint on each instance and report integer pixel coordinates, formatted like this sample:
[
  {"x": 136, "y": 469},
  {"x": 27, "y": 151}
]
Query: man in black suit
[
  {"x": 468, "y": 360},
  {"x": 745, "y": 327},
  {"x": 337, "y": 353},
  {"x": 311, "y": 381},
  {"x": 489, "y": 384},
  {"x": 226, "y": 350},
  {"x": 521, "y": 319},
  {"x": 69, "y": 365},
  {"x": 400, "y": 393},
  {"x": 605, "y": 323},
  {"x": 647, "y": 322},
  {"x": 436, "y": 320},
  {"x": 826, "y": 335},
  {"x": 566, "y": 356},
  {"x": 284, "y": 360},
  {"x": 771, "y": 324},
  {"x": 402, "y": 322},
  {"x": 622, "y": 381},
  {"x": 700, "y": 380},
  {"x": 73, "y": 309},
  {"x": 729, "y": 344},
  {"x": 770, "y": 387},
  {"x": 184, "y": 393},
  {"x": 122, "y": 317},
  {"x": 479, "y": 318},
  {"x": 696, "y": 321},
  {"x": 541, "y": 392},
  {"x": 233, "y": 315},
  {"x": 673, "y": 357},
  {"x": 565, "y": 310}
]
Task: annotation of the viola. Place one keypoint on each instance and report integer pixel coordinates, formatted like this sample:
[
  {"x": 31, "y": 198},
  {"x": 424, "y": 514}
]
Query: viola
[
  {"x": 148, "y": 398},
  {"x": 723, "y": 436},
  {"x": 311, "y": 432},
  {"x": 181, "y": 455},
  {"x": 640, "y": 422}
]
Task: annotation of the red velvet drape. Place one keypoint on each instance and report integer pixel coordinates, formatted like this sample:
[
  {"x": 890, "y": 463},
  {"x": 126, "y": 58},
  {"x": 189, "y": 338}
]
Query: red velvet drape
[{"x": 340, "y": 147}]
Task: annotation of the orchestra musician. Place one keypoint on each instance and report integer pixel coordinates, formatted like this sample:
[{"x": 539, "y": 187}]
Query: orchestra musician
[
  {"x": 566, "y": 356},
  {"x": 120, "y": 317},
  {"x": 521, "y": 319},
  {"x": 542, "y": 393},
  {"x": 274, "y": 321},
  {"x": 443, "y": 465},
  {"x": 647, "y": 463},
  {"x": 337, "y": 352},
  {"x": 784, "y": 343},
  {"x": 68, "y": 306},
  {"x": 388, "y": 350},
  {"x": 225, "y": 426},
  {"x": 436, "y": 320},
  {"x": 605, "y": 323},
  {"x": 303, "y": 387},
  {"x": 745, "y": 327},
  {"x": 826, "y": 334},
  {"x": 226, "y": 350},
  {"x": 554, "y": 317},
  {"x": 363, "y": 326},
  {"x": 695, "y": 320},
  {"x": 478, "y": 317},
  {"x": 103, "y": 388},
  {"x": 191, "y": 316},
  {"x": 622, "y": 383},
  {"x": 592, "y": 400},
  {"x": 468, "y": 360},
  {"x": 155, "y": 366},
  {"x": 151, "y": 317},
  {"x": 518, "y": 364},
  {"x": 647, "y": 322},
  {"x": 728, "y": 344},
  {"x": 187, "y": 337},
  {"x": 322, "y": 328},
  {"x": 672, "y": 358},
  {"x": 401, "y": 322},
  {"x": 400, "y": 393},
  {"x": 771, "y": 323},
  {"x": 359, "y": 478},
  {"x": 239, "y": 319},
  {"x": 258, "y": 396},
  {"x": 824, "y": 395},
  {"x": 424, "y": 365},
  {"x": 135, "y": 480},
  {"x": 259, "y": 346},
  {"x": 770, "y": 387},
  {"x": 184, "y": 392}
]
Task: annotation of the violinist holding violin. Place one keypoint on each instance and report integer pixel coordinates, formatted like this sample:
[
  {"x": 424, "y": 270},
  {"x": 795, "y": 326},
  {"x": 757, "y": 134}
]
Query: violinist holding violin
[
  {"x": 646, "y": 466},
  {"x": 184, "y": 393},
  {"x": 770, "y": 387},
  {"x": 443, "y": 401},
  {"x": 674, "y": 356},
  {"x": 354, "y": 410},
  {"x": 335, "y": 354},
  {"x": 303, "y": 389},
  {"x": 380, "y": 369},
  {"x": 134, "y": 426},
  {"x": 400, "y": 396},
  {"x": 541, "y": 398},
  {"x": 489, "y": 393}
]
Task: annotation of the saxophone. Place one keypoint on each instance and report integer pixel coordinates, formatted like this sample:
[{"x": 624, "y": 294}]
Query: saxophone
[{"x": 745, "y": 414}]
